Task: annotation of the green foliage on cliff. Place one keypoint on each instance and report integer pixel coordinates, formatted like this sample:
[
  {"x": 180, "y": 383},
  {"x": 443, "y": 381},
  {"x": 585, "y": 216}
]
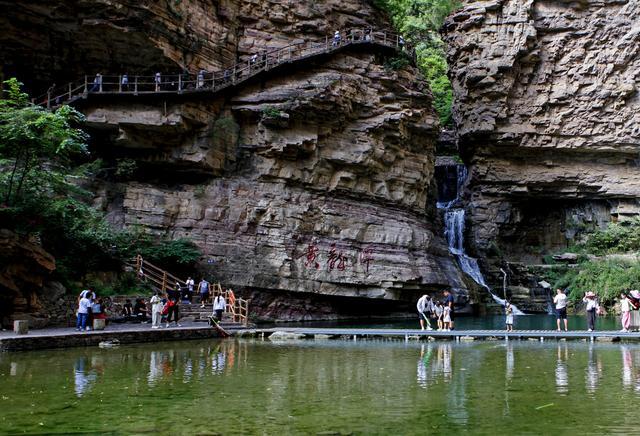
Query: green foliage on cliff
[
  {"x": 607, "y": 276},
  {"x": 41, "y": 193},
  {"x": 419, "y": 21},
  {"x": 622, "y": 237}
]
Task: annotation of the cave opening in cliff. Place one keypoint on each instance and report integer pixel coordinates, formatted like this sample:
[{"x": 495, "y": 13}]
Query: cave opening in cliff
[{"x": 539, "y": 227}]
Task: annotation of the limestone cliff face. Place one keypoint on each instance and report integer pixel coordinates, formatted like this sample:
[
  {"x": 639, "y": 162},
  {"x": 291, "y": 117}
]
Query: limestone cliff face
[
  {"x": 547, "y": 113},
  {"x": 316, "y": 178}
]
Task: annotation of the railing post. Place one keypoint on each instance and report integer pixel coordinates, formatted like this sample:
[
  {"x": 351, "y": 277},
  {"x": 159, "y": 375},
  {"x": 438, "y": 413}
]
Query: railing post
[
  {"x": 213, "y": 80},
  {"x": 384, "y": 38},
  {"x": 70, "y": 88},
  {"x": 48, "y": 99},
  {"x": 326, "y": 42},
  {"x": 119, "y": 83},
  {"x": 290, "y": 53},
  {"x": 135, "y": 84},
  {"x": 100, "y": 89},
  {"x": 164, "y": 281},
  {"x": 179, "y": 82},
  {"x": 86, "y": 84},
  {"x": 233, "y": 78}
]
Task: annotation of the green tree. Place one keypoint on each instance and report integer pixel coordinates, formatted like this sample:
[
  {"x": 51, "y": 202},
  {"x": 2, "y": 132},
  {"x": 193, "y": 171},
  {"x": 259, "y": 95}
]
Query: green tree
[
  {"x": 419, "y": 21},
  {"x": 32, "y": 138}
]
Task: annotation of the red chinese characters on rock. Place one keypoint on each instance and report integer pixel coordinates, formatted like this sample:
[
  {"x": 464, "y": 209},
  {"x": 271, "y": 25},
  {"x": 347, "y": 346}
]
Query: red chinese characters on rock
[
  {"x": 336, "y": 259},
  {"x": 366, "y": 256},
  {"x": 311, "y": 256}
]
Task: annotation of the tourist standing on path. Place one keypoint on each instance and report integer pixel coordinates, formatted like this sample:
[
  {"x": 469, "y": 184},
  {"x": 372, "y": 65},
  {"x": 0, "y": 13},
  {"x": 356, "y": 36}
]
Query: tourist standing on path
[
  {"x": 446, "y": 318},
  {"x": 336, "y": 38},
  {"x": 97, "y": 83},
  {"x": 592, "y": 308},
  {"x": 156, "y": 310},
  {"x": 625, "y": 310},
  {"x": 448, "y": 302},
  {"x": 218, "y": 307},
  {"x": 424, "y": 305},
  {"x": 203, "y": 289},
  {"x": 190, "y": 284},
  {"x": 508, "y": 310},
  {"x": 158, "y": 81},
  {"x": 83, "y": 313},
  {"x": 173, "y": 314},
  {"x": 560, "y": 300}
]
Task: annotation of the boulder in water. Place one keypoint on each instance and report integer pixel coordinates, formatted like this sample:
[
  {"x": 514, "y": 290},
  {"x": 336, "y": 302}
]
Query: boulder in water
[{"x": 285, "y": 336}]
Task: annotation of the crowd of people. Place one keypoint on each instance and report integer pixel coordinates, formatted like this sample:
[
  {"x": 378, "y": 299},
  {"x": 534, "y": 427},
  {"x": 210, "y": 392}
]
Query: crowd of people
[
  {"x": 442, "y": 312},
  {"x": 162, "y": 308}
]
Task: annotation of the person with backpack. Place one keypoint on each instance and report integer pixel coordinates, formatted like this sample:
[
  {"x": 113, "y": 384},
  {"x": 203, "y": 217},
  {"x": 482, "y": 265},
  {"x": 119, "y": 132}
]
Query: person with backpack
[{"x": 203, "y": 289}]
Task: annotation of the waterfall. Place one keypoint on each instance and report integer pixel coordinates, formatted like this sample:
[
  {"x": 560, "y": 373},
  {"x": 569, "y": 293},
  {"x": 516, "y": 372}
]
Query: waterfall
[{"x": 454, "y": 233}]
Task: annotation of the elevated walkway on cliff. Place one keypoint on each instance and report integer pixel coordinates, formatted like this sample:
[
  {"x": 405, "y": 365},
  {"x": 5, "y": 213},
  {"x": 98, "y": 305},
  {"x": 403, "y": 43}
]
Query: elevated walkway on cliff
[{"x": 208, "y": 84}]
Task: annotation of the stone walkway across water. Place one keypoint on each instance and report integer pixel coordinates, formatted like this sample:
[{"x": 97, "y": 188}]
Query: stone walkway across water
[
  {"x": 125, "y": 333},
  {"x": 128, "y": 333}
]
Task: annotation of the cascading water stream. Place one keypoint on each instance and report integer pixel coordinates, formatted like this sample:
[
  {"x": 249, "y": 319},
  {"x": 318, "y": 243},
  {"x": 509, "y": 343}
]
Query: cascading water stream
[{"x": 454, "y": 232}]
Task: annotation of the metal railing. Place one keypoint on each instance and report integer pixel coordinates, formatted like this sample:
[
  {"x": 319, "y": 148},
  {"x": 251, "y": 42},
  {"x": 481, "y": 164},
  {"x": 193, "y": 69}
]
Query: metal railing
[
  {"x": 218, "y": 80},
  {"x": 236, "y": 307}
]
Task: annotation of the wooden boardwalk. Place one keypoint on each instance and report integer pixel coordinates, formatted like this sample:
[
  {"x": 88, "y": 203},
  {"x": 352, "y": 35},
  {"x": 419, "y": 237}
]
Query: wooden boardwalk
[{"x": 357, "y": 333}]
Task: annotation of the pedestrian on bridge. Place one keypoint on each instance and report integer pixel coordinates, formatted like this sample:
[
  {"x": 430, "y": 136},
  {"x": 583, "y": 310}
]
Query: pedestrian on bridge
[
  {"x": 592, "y": 309},
  {"x": 336, "y": 38},
  {"x": 508, "y": 310},
  {"x": 424, "y": 305},
  {"x": 125, "y": 82},
  {"x": 97, "y": 83},
  {"x": 158, "y": 81},
  {"x": 200, "y": 80},
  {"x": 401, "y": 42},
  {"x": 625, "y": 310},
  {"x": 560, "y": 300}
]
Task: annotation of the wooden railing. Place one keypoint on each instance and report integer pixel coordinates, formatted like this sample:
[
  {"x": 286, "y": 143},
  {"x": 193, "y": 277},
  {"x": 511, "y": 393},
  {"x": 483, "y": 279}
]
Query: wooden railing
[
  {"x": 215, "y": 81},
  {"x": 236, "y": 307}
]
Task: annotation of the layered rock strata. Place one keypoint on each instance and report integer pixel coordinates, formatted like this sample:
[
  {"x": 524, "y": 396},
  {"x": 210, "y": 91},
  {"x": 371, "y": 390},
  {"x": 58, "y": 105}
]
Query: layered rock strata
[
  {"x": 317, "y": 179},
  {"x": 547, "y": 113}
]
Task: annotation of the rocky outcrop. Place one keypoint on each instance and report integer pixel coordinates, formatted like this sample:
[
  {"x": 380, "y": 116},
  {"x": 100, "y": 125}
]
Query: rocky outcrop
[
  {"x": 547, "y": 112},
  {"x": 24, "y": 289},
  {"x": 319, "y": 181},
  {"x": 314, "y": 179}
]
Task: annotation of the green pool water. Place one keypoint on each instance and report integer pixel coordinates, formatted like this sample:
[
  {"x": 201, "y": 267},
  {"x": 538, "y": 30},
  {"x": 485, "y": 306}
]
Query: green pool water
[{"x": 310, "y": 387}]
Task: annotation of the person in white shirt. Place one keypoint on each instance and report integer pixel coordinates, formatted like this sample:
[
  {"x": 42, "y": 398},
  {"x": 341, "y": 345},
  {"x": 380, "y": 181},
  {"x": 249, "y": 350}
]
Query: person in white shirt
[
  {"x": 156, "y": 310},
  {"x": 592, "y": 308},
  {"x": 218, "y": 307},
  {"x": 83, "y": 313},
  {"x": 625, "y": 309},
  {"x": 560, "y": 300},
  {"x": 424, "y": 305},
  {"x": 190, "y": 285}
]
